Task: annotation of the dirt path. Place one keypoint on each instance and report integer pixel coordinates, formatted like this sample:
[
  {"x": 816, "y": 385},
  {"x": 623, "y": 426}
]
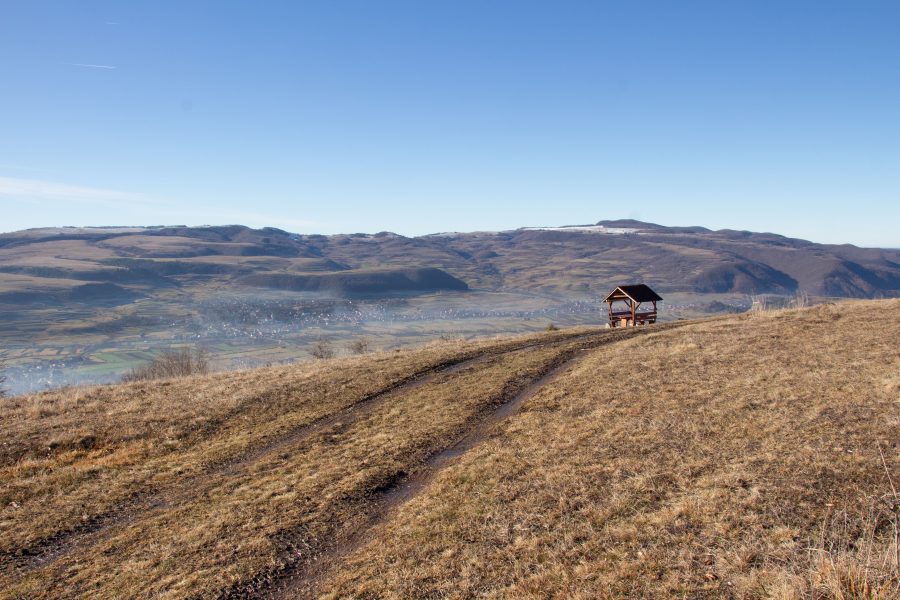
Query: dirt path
[
  {"x": 47, "y": 550},
  {"x": 300, "y": 576}
]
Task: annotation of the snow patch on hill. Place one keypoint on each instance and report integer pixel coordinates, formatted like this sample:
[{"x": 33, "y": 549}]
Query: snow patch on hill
[{"x": 587, "y": 229}]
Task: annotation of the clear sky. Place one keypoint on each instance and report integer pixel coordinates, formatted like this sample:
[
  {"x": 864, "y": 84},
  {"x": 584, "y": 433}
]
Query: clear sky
[{"x": 419, "y": 117}]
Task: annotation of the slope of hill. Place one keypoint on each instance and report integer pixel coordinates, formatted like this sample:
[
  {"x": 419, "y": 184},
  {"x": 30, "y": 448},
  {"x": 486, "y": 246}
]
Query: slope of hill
[
  {"x": 748, "y": 456},
  {"x": 351, "y": 283}
]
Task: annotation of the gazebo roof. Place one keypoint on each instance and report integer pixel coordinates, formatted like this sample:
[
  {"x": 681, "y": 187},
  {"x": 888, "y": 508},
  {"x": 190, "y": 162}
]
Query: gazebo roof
[{"x": 637, "y": 293}]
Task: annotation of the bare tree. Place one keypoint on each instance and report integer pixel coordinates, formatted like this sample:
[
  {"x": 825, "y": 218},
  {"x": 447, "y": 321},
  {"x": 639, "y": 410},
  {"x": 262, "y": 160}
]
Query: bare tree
[
  {"x": 359, "y": 346},
  {"x": 322, "y": 349}
]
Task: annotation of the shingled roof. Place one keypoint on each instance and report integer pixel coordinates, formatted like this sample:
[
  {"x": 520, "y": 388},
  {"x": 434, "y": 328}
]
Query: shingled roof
[{"x": 638, "y": 292}]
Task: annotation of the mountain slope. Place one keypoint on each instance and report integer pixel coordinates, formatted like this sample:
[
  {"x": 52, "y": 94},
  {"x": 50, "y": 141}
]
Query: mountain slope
[{"x": 573, "y": 260}]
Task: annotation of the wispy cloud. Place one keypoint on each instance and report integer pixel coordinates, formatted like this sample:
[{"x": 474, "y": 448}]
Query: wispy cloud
[
  {"x": 110, "y": 22},
  {"x": 118, "y": 207},
  {"x": 37, "y": 190},
  {"x": 90, "y": 66}
]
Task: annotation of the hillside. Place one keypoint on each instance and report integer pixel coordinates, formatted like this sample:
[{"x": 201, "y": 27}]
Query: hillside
[
  {"x": 352, "y": 283},
  {"x": 577, "y": 259},
  {"x": 749, "y": 456}
]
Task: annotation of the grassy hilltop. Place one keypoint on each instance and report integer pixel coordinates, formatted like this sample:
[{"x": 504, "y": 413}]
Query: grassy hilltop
[{"x": 751, "y": 456}]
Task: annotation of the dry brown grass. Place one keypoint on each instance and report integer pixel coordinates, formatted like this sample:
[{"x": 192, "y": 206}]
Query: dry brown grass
[
  {"x": 737, "y": 457},
  {"x": 74, "y": 455}
]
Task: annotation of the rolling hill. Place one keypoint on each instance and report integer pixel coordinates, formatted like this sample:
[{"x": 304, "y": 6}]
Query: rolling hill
[
  {"x": 576, "y": 259},
  {"x": 750, "y": 456}
]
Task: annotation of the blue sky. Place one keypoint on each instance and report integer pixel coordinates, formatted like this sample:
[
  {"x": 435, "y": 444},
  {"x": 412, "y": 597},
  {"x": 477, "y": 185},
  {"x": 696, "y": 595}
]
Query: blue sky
[{"x": 420, "y": 117}]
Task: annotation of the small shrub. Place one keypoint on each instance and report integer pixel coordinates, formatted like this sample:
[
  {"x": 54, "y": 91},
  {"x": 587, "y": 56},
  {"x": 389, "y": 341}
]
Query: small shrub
[
  {"x": 322, "y": 349},
  {"x": 359, "y": 346},
  {"x": 172, "y": 363},
  {"x": 551, "y": 327}
]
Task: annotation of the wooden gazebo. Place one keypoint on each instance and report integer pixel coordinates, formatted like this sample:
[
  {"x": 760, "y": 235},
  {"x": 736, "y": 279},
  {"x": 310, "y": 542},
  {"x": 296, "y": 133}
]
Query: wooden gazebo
[{"x": 633, "y": 296}]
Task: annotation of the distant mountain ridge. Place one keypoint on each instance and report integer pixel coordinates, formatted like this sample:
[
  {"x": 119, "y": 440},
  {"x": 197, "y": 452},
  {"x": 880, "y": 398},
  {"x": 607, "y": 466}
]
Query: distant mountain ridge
[{"x": 58, "y": 262}]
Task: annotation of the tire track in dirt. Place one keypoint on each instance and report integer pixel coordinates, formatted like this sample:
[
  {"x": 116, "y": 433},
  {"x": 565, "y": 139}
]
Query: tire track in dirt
[
  {"x": 46, "y": 550},
  {"x": 300, "y": 573}
]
